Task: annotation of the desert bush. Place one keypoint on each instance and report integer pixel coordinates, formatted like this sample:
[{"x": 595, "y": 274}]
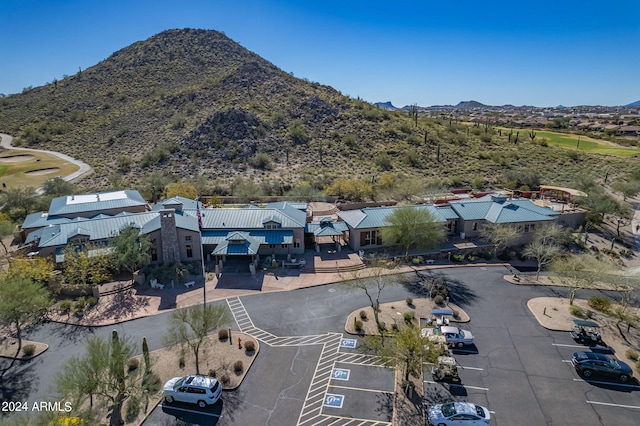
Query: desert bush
[
  {"x": 471, "y": 258},
  {"x": 358, "y": 325},
  {"x": 438, "y": 300},
  {"x": 249, "y": 346},
  {"x": 28, "y": 350},
  {"x": 631, "y": 354},
  {"x": 588, "y": 313},
  {"x": 409, "y": 301},
  {"x": 133, "y": 364},
  {"x": 456, "y": 313},
  {"x": 181, "y": 362},
  {"x": 382, "y": 326},
  {"x": 408, "y": 317},
  {"x": 238, "y": 366},
  {"x": 457, "y": 257},
  {"x": 600, "y": 303},
  {"x": 79, "y": 305},
  {"x": 212, "y": 372},
  {"x": 363, "y": 315},
  {"x": 486, "y": 255},
  {"x": 224, "y": 379},
  {"x": 223, "y": 334},
  {"x": 576, "y": 311},
  {"x": 417, "y": 260},
  {"x": 66, "y": 305}
]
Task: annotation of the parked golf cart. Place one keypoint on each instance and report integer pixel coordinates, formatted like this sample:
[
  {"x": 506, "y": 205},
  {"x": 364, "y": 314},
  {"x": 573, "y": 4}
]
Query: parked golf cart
[
  {"x": 445, "y": 369},
  {"x": 586, "y": 332}
]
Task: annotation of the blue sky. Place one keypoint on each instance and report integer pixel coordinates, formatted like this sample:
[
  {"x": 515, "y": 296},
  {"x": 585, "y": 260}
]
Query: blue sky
[{"x": 542, "y": 52}]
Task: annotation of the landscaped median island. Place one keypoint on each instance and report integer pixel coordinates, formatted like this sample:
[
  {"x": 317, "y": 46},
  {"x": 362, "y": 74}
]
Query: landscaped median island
[{"x": 397, "y": 313}]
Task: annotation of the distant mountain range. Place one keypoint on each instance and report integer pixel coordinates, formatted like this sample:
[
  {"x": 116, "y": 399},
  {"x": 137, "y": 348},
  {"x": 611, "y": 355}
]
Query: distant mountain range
[{"x": 471, "y": 105}]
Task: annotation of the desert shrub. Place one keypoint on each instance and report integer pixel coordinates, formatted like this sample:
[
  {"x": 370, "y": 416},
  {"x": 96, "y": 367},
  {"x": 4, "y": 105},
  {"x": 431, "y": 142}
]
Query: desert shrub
[
  {"x": 181, "y": 362},
  {"x": 133, "y": 364},
  {"x": 504, "y": 256},
  {"x": 212, "y": 372},
  {"x": 631, "y": 354},
  {"x": 417, "y": 260},
  {"x": 471, "y": 258},
  {"x": 223, "y": 334},
  {"x": 152, "y": 383},
  {"x": 358, "y": 325},
  {"x": 600, "y": 303},
  {"x": 66, "y": 305},
  {"x": 408, "y": 317},
  {"x": 627, "y": 254},
  {"x": 28, "y": 350},
  {"x": 588, "y": 313},
  {"x": 409, "y": 301},
  {"x": 456, "y": 313},
  {"x": 382, "y": 326},
  {"x": 438, "y": 300},
  {"x": 576, "y": 311},
  {"x": 486, "y": 255},
  {"x": 79, "y": 305},
  {"x": 363, "y": 315},
  {"x": 249, "y": 346},
  {"x": 394, "y": 327},
  {"x": 90, "y": 301},
  {"x": 457, "y": 257},
  {"x": 238, "y": 366},
  {"x": 224, "y": 379}
]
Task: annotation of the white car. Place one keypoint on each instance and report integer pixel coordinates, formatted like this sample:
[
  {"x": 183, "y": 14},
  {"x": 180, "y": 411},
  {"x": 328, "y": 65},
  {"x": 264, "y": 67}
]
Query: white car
[
  {"x": 201, "y": 390},
  {"x": 453, "y": 335},
  {"x": 458, "y": 413}
]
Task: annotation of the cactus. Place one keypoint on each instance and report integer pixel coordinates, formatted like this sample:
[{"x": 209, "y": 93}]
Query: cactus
[
  {"x": 145, "y": 356},
  {"x": 532, "y": 134}
]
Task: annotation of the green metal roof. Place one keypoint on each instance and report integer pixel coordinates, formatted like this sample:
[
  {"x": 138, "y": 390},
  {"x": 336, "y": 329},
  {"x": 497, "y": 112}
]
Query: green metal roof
[
  {"x": 501, "y": 210},
  {"x": 376, "y": 217}
]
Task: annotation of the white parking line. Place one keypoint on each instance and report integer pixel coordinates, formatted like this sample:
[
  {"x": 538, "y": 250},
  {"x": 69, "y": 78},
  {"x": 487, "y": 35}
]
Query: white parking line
[
  {"x": 453, "y": 384},
  {"x": 607, "y": 383},
  {"x": 570, "y": 346},
  {"x": 614, "y": 405},
  {"x": 566, "y": 360},
  {"x": 204, "y": 413},
  {"x": 360, "y": 389},
  {"x": 471, "y": 368}
]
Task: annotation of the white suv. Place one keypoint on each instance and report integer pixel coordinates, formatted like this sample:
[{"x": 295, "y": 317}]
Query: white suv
[{"x": 201, "y": 390}]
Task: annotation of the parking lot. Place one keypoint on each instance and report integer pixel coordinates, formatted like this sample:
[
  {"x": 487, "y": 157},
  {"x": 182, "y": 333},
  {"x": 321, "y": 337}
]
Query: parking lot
[{"x": 518, "y": 369}]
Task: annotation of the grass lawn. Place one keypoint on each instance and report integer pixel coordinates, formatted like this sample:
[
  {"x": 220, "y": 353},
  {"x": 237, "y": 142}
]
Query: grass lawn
[
  {"x": 31, "y": 169},
  {"x": 569, "y": 141}
]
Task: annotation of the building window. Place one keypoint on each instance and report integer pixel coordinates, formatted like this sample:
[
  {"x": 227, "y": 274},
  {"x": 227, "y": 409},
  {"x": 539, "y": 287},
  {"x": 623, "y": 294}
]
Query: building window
[
  {"x": 284, "y": 245},
  {"x": 296, "y": 243},
  {"x": 187, "y": 238},
  {"x": 154, "y": 254},
  {"x": 189, "y": 250},
  {"x": 370, "y": 238},
  {"x": 272, "y": 246},
  {"x": 475, "y": 226}
]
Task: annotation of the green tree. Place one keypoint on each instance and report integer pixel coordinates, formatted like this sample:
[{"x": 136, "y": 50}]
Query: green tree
[
  {"x": 58, "y": 187},
  {"x": 306, "y": 192},
  {"x": 103, "y": 372},
  {"x": 579, "y": 271},
  {"x": 131, "y": 249},
  {"x": 246, "y": 190},
  {"x": 18, "y": 198},
  {"x": 86, "y": 263},
  {"x": 22, "y": 302},
  {"x": 412, "y": 226},
  {"x": 189, "y": 326},
  {"x": 628, "y": 188},
  {"x": 6, "y": 229},
  {"x": 154, "y": 185},
  {"x": 298, "y": 132},
  {"x": 501, "y": 235},
  {"x": 407, "y": 349},
  {"x": 182, "y": 189},
  {"x": 36, "y": 268}
]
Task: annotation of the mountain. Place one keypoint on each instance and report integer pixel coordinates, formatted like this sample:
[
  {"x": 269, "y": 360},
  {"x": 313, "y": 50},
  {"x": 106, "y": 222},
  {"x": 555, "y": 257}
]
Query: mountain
[
  {"x": 194, "y": 104},
  {"x": 469, "y": 105},
  {"x": 634, "y": 104},
  {"x": 386, "y": 105}
]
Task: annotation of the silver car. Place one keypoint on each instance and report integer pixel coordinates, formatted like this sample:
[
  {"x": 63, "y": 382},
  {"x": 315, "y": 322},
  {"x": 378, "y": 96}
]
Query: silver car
[
  {"x": 201, "y": 390},
  {"x": 458, "y": 413}
]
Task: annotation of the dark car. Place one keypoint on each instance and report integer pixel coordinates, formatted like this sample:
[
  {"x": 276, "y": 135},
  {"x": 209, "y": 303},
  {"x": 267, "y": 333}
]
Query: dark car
[{"x": 590, "y": 363}]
